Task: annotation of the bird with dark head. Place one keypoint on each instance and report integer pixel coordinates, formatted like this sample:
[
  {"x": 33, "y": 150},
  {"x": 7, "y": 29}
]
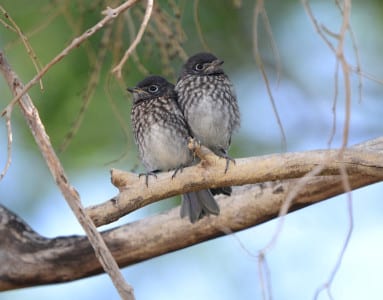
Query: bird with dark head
[
  {"x": 161, "y": 134},
  {"x": 207, "y": 99}
]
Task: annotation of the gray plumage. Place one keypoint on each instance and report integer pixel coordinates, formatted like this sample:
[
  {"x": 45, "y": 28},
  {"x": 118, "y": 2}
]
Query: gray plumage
[
  {"x": 207, "y": 99},
  {"x": 161, "y": 134}
]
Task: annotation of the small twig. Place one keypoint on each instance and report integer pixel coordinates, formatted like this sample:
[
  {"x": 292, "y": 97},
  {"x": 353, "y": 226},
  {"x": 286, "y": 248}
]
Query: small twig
[
  {"x": 198, "y": 26},
  {"x": 6, "y": 25},
  {"x": 118, "y": 69},
  {"x": 345, "y": 68},
  {"x": 75, "y": 24},
  {"x": 316, "y": 25},
  {"x": 289, "y": 200},
  {"x": 328, "y": 283},
  {"x": 92, "y": 85},
  {"x": 8, "y": 125},
  {"x": 27, "y": 45},
  {"x": 339, "y": 52},
  {"x": 259, "y": 9},
  {"x": 132, "y": 32},
  {"x": 264, "y": 277},
  {"x": 341, "y": 60},
  {"x": 72, "y": 197},
  {"x": 356, "y": 52},
  {"x": 334, "y": 104},
  {"x": 46, "y": 22},
  {"x": 273, "y": 44},
  {"x": 369, "y": 76}
]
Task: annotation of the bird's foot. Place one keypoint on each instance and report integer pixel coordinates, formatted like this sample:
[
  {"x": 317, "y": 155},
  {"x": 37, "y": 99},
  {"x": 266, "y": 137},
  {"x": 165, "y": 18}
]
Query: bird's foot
[
  {"x": 147, "y": 174},
  {"x": 180, "y": 168},
  {"x": 224, "y": 155}
]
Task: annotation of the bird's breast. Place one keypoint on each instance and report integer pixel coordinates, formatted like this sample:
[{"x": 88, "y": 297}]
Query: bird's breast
[{"x": 164, "y": 148}]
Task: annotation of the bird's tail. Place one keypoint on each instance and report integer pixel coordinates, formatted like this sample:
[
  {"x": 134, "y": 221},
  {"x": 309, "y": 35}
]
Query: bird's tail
[{"x": 198, "y": 204}]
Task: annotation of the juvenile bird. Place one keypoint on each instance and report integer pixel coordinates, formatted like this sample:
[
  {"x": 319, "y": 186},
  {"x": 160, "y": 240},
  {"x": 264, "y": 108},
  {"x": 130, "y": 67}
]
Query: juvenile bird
[
  {"x": 207, "y": 99},
  {"x": 161, "y": 134}
]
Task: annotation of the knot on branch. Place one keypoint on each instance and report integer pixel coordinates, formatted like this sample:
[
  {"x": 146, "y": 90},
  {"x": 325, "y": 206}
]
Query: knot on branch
[
  {"x": 122, "y": 179},
  {"x": 110, "y": 12},
  {"x": 206, "y": 156}
]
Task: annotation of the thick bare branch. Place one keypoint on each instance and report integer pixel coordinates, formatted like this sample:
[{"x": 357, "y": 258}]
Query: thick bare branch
[
  {"x": 28, "y": 259},
  {"x": 210, "y": 173}
]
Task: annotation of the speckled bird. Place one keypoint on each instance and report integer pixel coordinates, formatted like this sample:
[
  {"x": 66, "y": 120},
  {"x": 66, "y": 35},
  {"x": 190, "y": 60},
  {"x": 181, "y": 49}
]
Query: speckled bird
[
  {"x": 161, "y": 134},
  {"x": 207, "y": 99}
]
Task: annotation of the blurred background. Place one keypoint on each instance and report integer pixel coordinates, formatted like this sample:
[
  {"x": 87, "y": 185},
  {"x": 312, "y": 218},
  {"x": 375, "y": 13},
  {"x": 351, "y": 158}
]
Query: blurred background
[{"x": 82, "y": 100}]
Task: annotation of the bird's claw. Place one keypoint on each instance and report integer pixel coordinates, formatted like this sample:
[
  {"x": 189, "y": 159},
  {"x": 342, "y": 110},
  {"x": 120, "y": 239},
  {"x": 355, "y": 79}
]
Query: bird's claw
[
  {"x": 224, "y": 155},
  {"x": 228, "y": 160},
  {"x": 180, "y": 168},
  {"x": 147, "y": 174}
]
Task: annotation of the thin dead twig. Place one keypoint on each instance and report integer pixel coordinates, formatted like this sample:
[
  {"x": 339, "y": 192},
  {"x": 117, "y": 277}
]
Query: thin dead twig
[
  {"x": 149, "y": 8},
  {"x": 92, "y": 85},
  {"x": 327, "y": 285},
  {"x": 198, "y": 25},
  {"x": 132, "y": 32},
  {"x": 72, "y": 197},
  {"x": 24, "y": 39},
  {"x": 334, "y": 105},
  {"x": 355, "y": 49},
  {"x": 259, "y": 9},
  {"x": 8, "y": 125},
  {"x": 345, "y": 67}
]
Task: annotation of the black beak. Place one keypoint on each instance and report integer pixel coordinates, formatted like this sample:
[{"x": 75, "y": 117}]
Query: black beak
[
  {"x": 217, "y": 63},
  {"x": 214, "y": 67}
]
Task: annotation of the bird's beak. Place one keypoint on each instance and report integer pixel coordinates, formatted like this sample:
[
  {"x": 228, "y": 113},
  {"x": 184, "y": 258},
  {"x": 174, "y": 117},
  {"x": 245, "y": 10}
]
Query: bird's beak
[
  {"x": 215, "y": 66},
  {"x": 217, "y": 63},
  {"x": 132, "y": 90},
  {"x": 136, "y": 91}
]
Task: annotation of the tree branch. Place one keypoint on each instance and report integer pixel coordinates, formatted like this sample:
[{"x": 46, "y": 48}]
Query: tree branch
[
  {"x": 28, "y": 259},
  {"x": 70, "y": 194},
  {"x": 366, "y": 159}
]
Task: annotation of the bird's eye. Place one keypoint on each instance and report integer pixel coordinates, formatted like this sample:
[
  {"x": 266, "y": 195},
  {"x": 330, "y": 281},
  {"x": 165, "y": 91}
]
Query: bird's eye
[
  {"x": 199, "y": 67},
  {"x": 153, "y": 88}
]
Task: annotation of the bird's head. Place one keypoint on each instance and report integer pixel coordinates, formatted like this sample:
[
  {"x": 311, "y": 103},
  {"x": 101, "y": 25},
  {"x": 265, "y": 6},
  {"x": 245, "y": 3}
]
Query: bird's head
[
  {"x": 151, "y": 87},
  {"x": 203, "y": 64}
]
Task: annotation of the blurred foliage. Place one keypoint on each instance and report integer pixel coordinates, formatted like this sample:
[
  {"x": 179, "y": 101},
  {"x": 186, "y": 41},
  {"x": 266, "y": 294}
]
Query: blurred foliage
[
  {"x": 82, "y": 83},
  {"x": 104, "y": 134}
]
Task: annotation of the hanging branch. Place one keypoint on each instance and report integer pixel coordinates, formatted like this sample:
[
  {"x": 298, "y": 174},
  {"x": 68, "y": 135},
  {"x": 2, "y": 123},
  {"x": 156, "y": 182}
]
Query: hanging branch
[{"x": 72, "y": 197}]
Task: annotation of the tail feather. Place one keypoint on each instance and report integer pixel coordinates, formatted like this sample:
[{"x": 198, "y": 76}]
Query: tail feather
[
  {"x": 198, "y": 204},
  {"x": 223, "y": 190}
]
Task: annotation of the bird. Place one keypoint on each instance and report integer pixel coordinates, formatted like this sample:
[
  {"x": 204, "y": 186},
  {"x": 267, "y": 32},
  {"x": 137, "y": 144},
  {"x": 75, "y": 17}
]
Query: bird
[
  {"x": 209, "y": 104},
  {"x": 162, "y": 135}
]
